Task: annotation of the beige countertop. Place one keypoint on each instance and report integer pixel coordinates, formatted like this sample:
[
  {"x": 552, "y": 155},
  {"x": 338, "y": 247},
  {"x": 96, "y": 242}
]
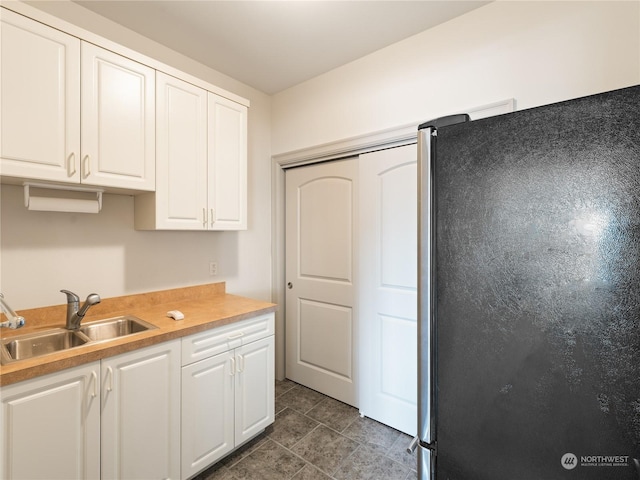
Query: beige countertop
[{"x": 203, "y": 306}]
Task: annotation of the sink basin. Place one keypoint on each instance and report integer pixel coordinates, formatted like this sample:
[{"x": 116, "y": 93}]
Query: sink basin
[
  {"x": 32, "y": 345},
  {"x": 115, "y": 328},
  {"x": 36, "y": 344}
]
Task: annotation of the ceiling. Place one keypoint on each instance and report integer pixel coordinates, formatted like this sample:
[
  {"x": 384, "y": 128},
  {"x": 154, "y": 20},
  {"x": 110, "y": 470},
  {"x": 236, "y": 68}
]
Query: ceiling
[{"x": 273, "y": 45}]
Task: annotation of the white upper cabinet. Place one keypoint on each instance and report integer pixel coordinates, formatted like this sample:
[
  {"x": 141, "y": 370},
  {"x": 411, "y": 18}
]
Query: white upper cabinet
[
  {"x": 180, "y": 200},
  {"x": 118, "y": 121},
  {"x": 201, "y": 162},
  {"x": 47, "y": 76},
  {"x": 227, "y": 164},
  {"x": 40, "y": 101},
  {"x": 74, "y": 112}
]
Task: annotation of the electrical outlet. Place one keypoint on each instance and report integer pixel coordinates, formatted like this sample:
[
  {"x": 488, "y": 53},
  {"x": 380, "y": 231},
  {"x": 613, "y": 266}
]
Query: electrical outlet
[{"x": 213, "y": 268}]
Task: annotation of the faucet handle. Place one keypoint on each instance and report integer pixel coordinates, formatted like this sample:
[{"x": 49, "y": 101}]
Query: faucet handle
[
  {"x": 13, "y": 319},
  {"x": 92, "y": 299},
  {"x": 71, "y": 297}
]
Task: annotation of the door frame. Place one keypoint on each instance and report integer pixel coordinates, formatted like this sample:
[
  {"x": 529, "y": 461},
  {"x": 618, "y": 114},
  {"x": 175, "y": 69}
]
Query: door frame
[{"x": 388, "y": 138}]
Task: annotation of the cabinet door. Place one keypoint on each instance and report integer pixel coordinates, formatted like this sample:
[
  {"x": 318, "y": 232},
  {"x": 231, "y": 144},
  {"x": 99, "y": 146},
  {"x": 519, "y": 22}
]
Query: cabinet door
[
  {"x": 118, "y": 120},
  {"x": 207, "y": 412},
  {"x": 40, "y": 101},
  {"x": 255, "y": 388},
  {"x": 181, "y": 193},
  {"x": 141, "y": 413},
  {"x": 227, "y": 164},
  {"x": 50, "y": 426}
]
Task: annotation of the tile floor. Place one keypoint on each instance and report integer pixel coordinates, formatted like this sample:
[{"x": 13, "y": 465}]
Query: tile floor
[{"x": 316, "y": 437}]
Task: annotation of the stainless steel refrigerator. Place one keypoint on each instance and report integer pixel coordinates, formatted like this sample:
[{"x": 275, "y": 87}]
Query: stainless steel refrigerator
[{"x": 529, "y": 281}]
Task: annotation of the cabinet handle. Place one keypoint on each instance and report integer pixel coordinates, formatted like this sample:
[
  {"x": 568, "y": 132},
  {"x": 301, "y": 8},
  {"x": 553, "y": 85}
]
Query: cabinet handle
[
  {"x": 212, "y": 217},
  {"x": 94, "y": 377},
  {"x": 237, "y": 335},
  {"x": 110, "y": 384},
  {"x": 86, "y": 166},
  {"x": 233, "y": 367},
  {"x": 204, "y": 217},
  {"x": 240, "y": 363},
  {"x": 71, "y": 165}
]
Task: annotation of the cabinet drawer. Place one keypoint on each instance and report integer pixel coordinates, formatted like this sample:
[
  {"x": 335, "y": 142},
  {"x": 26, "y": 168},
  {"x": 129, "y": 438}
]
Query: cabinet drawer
[{"x": 218, "y": 340}]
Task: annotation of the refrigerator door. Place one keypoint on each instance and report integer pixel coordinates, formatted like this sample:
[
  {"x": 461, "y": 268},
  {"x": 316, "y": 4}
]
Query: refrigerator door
[
  {"x": 425, "y": 417},
  {"x": 427, "y": 133},
  {"x": 537, "y": 265}
]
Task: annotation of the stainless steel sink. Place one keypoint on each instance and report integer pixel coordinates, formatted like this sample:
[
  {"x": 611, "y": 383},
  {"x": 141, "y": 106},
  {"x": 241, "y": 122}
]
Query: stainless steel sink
[
  {"x": 37, "y": 344},
  {"x": 115, "y": 328},
  {"x": 55, "y": 340}
]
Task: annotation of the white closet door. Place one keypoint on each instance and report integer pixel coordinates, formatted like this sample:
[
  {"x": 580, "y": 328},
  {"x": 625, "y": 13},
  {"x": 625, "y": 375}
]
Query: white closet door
[
  {"x": 388, "y": 287},
  {"x": 321, "y": 207}
]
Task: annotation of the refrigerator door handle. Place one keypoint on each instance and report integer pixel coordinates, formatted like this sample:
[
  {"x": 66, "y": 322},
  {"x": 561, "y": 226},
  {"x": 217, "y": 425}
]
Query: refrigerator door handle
[
  {"x": 416, "y": 441},
  {"x": 636, "y": 462},
  {"x": 413, "y": 445}
]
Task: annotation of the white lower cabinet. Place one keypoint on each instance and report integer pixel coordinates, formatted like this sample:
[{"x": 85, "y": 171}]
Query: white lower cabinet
[
  {"x": 140, "y": 428},
  {"x": 207, "y": 412},
  {"x": 51, "y": 426},
  {"x": 227, "y": 390},
  {"x": 254, "y": 388},
  {"x": 130, "y": 416},
  {"x": 118, "y": 418}
]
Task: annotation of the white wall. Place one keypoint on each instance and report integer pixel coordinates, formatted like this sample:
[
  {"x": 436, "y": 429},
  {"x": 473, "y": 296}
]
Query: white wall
[
  {"x": 536, "y": 52},
  {"x": 43, "y": 252}
]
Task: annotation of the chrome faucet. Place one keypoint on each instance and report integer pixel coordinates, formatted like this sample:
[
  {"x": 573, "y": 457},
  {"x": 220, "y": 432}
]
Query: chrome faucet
[
  {"x": 13, "y": 319},
  {"x": 75, "y": 316}
]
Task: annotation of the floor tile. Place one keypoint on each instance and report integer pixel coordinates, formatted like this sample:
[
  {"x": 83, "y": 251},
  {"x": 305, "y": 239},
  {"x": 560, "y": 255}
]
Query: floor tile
[
  {"x": 310, "y": 473},
  {"x": 412, "y": 475},
  {"x": 334, "y": 414},
  {"x": 315, "y": 437},
  {"x": 244, "y": 450},
  {"x": 268, "y": 462},
  {"x": 279, "y": 406},
  {"x": 366, "y": 463},
  {"x": 282, "y": 386},
  {"x": 290, "y": 427},
  {"x": 364, "y": 430},
  {"x": 301, "y": 398},
  {"x": 325, "y": 448},
  {"x": 398, "y": 452}
]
